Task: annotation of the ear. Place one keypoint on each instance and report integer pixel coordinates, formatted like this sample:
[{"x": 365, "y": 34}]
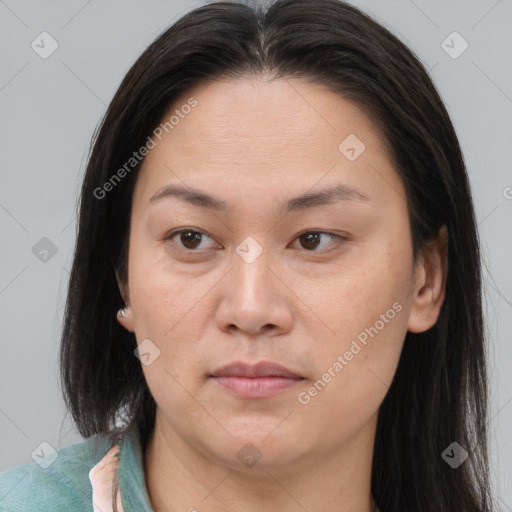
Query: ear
[
  {"x": 125, "y": 321},
  {"x": 429, "y": 286}
]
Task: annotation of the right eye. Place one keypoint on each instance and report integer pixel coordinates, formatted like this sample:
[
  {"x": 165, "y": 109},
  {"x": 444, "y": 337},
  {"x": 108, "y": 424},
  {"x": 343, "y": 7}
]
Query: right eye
[{"x": 189, "y": 239}]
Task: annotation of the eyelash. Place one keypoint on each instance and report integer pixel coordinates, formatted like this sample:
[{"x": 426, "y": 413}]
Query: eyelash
[{"x": 340, "y": 239}]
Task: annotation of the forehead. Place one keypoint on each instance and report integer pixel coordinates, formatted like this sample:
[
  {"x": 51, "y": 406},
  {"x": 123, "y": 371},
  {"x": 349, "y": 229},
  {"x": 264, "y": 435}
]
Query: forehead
[{"x": 260, "y": 133}]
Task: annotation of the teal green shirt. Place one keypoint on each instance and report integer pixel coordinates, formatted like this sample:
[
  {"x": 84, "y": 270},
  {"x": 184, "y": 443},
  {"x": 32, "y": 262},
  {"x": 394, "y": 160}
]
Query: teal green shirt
[{"x": 64, "y": 486}]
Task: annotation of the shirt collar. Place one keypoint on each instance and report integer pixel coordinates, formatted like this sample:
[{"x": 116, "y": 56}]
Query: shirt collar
[{"x": 134, "y": 493}]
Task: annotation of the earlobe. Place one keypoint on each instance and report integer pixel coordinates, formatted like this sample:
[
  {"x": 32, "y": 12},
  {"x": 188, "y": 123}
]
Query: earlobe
[
  {"x": 124, "y": 317},
  {"x": 429, "y": 283}
]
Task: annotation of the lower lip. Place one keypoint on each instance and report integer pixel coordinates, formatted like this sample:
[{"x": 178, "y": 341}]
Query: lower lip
[{"x": 257, "y": 387}]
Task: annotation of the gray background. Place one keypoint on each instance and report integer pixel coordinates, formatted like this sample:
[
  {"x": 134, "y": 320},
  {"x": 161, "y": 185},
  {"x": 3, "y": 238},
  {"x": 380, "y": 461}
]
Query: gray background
[{"x": 50, "y": 107}]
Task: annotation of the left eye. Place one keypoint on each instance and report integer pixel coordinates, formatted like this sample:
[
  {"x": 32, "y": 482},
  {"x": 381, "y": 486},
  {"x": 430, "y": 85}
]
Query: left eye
[
  {"x": 310, "y": 239},
  {"x": 191, "y": 239}
]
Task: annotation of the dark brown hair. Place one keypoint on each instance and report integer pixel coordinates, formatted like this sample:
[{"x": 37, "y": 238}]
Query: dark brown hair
[{"x": 439, "y": 392}]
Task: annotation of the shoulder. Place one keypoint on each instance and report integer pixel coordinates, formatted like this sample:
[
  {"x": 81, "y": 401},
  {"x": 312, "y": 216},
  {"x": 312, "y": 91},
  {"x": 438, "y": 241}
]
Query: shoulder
[{"x": 58, "y": 481}]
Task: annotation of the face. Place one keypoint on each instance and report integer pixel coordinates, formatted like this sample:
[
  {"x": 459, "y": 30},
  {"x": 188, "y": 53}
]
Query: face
[{"x": 325, "y": 286}]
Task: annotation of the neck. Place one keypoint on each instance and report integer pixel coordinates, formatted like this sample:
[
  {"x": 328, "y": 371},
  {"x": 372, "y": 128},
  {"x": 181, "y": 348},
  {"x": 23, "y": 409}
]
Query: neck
[{"x": 183, "y": 476}]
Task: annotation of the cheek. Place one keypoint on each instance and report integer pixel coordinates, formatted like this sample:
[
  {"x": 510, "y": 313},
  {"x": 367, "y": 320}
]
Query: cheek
[
  {"x": 352, "y": 294},
  {"x": 172, "y": 310},
  {"x": 353, "y": 377},
  {"x": 168, "y": 310},
  {"x": 163, "y": 300},
  {"x": 366, "y": 306}
]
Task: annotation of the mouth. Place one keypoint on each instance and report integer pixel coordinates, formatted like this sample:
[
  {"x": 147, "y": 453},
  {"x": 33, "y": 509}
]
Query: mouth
[{"x": 261, "y": 380}]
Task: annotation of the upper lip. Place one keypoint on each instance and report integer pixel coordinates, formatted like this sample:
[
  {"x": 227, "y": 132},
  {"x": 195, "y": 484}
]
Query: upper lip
[{"x": 261, "y": 369}]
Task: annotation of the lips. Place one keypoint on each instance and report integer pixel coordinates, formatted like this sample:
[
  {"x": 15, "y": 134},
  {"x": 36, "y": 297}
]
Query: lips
[
  {"x": 261, "y": 369},
  {"x": 261, "y": 380}
]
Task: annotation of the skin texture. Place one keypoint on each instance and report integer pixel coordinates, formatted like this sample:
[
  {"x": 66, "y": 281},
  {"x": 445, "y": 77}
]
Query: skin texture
[{"x": 255, "y": 143}]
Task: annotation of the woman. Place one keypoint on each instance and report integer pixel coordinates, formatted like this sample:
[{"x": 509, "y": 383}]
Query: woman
[{"x": 274, "y": 302}]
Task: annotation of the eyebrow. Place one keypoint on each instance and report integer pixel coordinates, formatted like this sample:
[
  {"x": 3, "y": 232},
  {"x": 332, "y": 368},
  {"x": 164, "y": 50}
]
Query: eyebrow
[{"x": 306, "y": 201}]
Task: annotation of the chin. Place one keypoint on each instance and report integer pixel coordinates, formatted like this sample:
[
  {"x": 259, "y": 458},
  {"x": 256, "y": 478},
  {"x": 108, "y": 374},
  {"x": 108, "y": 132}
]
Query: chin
[{"x": 258, "y": 448}]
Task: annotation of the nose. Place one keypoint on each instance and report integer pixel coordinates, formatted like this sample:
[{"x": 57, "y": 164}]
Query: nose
[{"x": 255, "y": 298}]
